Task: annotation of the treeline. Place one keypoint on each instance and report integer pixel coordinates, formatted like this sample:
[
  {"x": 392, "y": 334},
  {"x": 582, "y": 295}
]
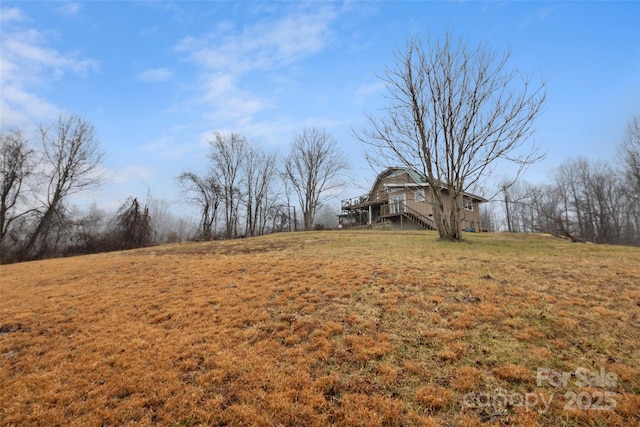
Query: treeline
[
  {"x": 593, "y": 201},
  {"x": 132, "y": 226},
  {"x": 248, "y": 192},
  {"x": 243, "y": 191},
  {"x": 37, "y": 183}
]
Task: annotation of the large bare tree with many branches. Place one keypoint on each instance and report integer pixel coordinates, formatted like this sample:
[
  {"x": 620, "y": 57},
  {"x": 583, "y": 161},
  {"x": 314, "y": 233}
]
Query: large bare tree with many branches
[
  {"x": 70, "y": 164},
  {"x": 453, "y": 111},
  {"x": 206, "y": 192},
  {"x": 313, "y": 167}
]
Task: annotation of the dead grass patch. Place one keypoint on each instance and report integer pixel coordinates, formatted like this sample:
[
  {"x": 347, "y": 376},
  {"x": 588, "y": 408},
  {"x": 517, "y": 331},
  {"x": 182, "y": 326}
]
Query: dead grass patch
[
  {"x": 466, "y": 378},
  {"x": 328, "y": 328},
  {"x": 514, "y": 373},
  {"x": 434, "y": 397}
]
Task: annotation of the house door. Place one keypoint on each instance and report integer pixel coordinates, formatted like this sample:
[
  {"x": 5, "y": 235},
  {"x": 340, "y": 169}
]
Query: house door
[{"x": 396, "y": 204}]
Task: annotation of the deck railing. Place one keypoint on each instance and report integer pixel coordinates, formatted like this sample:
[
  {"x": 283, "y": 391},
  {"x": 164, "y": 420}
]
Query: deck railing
[
  {"x": 393, "y": 209},
  {"x": 356, "y": 202}
]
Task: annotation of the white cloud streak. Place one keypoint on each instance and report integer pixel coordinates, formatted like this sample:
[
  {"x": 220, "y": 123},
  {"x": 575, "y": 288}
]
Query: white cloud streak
[
  {"x": 365, "y": 91},
  {"x": 10, "y": 14},
  {"x": 131, "y": 174},
  {"x": 68, "y": 8},
  {"x": 27, "y": 63},
  {"x": 227, "y": 55},
  {"x": 155, "y": 75},
  {"x": 166, "y": 147},
  {"x": 263, "y": 46}
]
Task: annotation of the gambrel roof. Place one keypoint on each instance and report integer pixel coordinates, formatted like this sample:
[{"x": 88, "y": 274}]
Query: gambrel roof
[{"x": 419, "y": 180}]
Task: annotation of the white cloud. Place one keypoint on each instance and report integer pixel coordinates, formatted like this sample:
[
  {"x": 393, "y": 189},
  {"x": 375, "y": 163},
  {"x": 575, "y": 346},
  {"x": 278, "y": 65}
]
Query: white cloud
[
  {"x": 228, "y": 55},
  {"x": 10, "y": 14},
  {"x": 156, "y": 145},
  {"x": 215, "y": 85},
  {"x": 277, "y": 132},
  {"x": 262, "y": 46},
  {"x": 155, "y": 75},
  {"x": 21, "y": 109},
  {"x": 131, "y": 174},
  {"x": 364, "y": 91},
  {"x": 68, "y": 8},
  {"x": 28, "y": 63},
  {"x": 166, "y": 147},
  {"x": 27, "y": 50}
]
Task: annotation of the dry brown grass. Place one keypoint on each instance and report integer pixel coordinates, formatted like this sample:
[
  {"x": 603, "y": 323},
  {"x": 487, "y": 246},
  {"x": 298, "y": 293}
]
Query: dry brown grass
[{"x": 342, "y": 328}]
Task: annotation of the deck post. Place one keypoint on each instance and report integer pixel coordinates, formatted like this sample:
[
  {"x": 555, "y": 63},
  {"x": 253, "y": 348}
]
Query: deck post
[{"x": 370, "y": 214}]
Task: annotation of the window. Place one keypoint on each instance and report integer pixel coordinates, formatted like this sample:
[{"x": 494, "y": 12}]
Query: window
[
  {"x": 396, "y": 204},
  {"x": 468, "y": 204},
  {"x": 419, "y": 195}
]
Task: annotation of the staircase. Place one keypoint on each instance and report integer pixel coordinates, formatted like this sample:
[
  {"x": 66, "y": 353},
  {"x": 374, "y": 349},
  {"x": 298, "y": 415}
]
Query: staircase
[
  {"x": 415, "y": 216},
  {"x": 400, "y": 208}
]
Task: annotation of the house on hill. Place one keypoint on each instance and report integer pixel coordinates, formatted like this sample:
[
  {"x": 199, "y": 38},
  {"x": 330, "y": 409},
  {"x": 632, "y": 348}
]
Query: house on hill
[{"x": 399, "y": 200}]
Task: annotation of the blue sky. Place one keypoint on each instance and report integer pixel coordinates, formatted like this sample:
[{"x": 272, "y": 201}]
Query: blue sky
[{"x": 156, "y": 78}]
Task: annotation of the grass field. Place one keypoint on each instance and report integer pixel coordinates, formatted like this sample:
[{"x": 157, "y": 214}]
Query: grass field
[{"x": 326, "y": 328}]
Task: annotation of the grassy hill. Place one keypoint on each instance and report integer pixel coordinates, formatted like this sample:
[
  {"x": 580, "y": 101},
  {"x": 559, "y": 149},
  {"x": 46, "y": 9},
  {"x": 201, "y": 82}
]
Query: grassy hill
[{"x": 343, "y": 328}]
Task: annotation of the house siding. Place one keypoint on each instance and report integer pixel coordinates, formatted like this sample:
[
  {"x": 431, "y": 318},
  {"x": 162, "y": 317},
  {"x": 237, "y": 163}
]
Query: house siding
[{"x": 390, "y": 186}]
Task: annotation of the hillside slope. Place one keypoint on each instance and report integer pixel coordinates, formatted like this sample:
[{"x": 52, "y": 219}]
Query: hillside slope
[{"x": 343, "y": 328}]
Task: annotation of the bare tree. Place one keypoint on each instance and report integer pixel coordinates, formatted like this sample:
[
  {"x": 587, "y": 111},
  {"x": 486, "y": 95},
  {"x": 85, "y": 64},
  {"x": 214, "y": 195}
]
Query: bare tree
[
  {"x": 279, "y": 217},
  {"x": 629, "y": 153},
  {"x": 88, "y": 233},
  {"x": 132, "y": 226},
  {"x": 206, "y": 193},
  {"x": 228, "y": 156},
  {"x": 453, "y": 111},
  {"x": 488, "y": 217},
  {"x": 241, "y": 175},
  {"x": 588, "y": 201},
  {"x": 260, "y": 171},
  {"x": 314, "y": 167},
  {"x": 533, "y": 208},
  {"x": 71, "y": 156},
  {"x": 16, "y": 163}
]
